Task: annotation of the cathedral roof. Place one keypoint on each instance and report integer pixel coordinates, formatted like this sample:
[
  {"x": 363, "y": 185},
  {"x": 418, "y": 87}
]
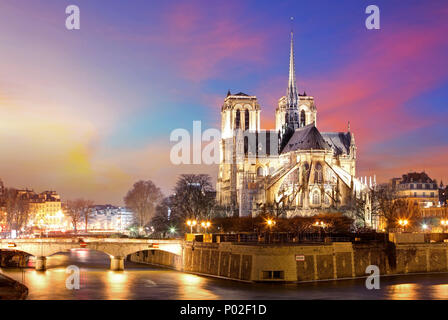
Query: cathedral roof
[
  {"x": 237, "y": 94},
  {"x": 306, "y": 138},
  {"x": 339, "y": 141}
]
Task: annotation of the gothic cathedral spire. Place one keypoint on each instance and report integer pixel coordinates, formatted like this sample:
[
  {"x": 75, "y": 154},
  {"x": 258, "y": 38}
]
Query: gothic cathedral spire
[
  {"x": 291, "y": 93},
  {"x": 292, "y": 97}
]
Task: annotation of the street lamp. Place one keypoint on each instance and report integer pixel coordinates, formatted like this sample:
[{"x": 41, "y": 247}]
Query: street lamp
[
  {"x": 444, "y": 223},
  {"x": 270, "y": 223},
  {"x": 320, "y": 224},
  {"x": 403, "y": 223},
  {"x": 206, "y": 225},
  {"x": 191, "y": 224}
]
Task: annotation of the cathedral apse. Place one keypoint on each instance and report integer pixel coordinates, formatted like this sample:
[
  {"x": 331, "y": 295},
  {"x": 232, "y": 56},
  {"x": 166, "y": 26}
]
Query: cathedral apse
[{"x": 295, "y": 168}]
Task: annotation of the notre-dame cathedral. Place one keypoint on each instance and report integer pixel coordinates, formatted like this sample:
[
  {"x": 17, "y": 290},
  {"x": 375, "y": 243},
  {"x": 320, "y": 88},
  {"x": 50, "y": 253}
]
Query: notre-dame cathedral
[{"x": 295, "y": 168}]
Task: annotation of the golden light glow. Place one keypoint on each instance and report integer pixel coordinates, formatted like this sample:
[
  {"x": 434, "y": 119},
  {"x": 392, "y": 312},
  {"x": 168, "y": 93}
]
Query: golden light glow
[
  {"x": 405, "y": 291},
  {"x": 191, "y": 222},
  {"x": 270, "y": 222}
]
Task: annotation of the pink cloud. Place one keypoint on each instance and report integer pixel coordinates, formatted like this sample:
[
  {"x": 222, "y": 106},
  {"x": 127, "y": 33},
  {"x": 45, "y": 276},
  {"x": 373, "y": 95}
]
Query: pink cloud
[
  {"x": 207, "y": 42},
  {"x": 388, "y": 165}
]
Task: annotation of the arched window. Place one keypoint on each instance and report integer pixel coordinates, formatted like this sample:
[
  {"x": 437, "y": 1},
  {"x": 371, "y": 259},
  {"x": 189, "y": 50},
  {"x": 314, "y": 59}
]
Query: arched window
[
  {"x": 305, "y": 172},
  {"x": 306, "y": 167},
  {"x": 327, "y": 200},
  {"x": 316, "y": 198},
  {"x": 246, "y": 120},
  {"x": 260, "y": 172},
  {"x": 302, "y": 118},
  {"x": 238, "y": 120},
  {"x": 318, "y": 174},
  {"x": 246, "y": 145}
]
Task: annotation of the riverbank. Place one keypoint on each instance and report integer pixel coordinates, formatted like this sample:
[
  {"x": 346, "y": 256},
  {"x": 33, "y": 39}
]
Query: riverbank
[
  {"x": 301, "y": 262},
  {"x": 11, "y": 289},
  {"x": 144, "y": 282}
]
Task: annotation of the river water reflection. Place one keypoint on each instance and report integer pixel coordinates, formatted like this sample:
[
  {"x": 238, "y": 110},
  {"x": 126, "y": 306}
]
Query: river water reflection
[{"x": 144, "y": 282}]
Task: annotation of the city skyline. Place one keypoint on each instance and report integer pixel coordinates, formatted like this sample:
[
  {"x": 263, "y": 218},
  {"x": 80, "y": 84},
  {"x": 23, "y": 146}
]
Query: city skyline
[{"x": 89, "y": 112}]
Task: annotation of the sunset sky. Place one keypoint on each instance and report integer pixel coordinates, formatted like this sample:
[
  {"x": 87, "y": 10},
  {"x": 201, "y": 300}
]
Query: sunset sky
[{"x": 89, "y": 112}]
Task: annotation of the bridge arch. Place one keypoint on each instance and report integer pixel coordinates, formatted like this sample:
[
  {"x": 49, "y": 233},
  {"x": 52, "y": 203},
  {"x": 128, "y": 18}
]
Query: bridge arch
[{"x": 117, "y": 249}]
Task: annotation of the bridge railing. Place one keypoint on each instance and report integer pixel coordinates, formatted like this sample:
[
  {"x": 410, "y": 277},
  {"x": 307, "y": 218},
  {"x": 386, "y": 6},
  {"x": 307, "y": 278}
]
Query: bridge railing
[{"x": 285, "y": 237}]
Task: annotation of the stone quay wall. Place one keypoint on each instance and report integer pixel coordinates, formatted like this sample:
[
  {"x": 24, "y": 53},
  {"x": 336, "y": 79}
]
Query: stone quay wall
[
  {"x": 11, "y": 289},
  {"x": 13, "y": 259},
  {"x": 300, "y": 262}
]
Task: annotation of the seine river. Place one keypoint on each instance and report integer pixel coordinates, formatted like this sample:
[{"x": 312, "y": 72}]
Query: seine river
[{"x": 145, "y": 282}]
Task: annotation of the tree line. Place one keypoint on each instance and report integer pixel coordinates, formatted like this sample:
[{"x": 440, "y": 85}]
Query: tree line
[{"x": 193, "y": 198}]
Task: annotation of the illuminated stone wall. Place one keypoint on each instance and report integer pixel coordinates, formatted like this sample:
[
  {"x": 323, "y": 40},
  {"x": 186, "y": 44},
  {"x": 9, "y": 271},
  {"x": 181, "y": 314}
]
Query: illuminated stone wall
[{"x": 300, "y": 263}]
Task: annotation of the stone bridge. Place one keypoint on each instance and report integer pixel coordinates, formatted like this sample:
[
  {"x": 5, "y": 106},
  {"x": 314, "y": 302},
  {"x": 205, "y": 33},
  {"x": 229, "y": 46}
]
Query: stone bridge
[{"x": 117, "y": 249}]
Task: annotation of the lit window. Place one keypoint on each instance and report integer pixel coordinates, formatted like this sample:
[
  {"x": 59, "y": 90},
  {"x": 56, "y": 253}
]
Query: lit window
[{"x": 316, "y": 198}]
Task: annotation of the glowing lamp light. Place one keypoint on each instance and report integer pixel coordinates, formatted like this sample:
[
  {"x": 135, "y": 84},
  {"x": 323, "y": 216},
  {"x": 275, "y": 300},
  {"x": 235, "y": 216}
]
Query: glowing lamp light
[{"x": 191, "y": 223}]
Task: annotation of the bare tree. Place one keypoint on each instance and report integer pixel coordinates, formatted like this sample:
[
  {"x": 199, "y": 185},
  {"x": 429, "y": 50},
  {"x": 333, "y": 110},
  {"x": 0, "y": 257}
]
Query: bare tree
[
  {"x": 166, "y": 218},
  {"x": 17, "y": 209},
  {"x": 77, "y": 210},
  {"x": 392, "y": 208},
  {"x": 142, "y": 199},
  {"x": 194, "y": 196},
  {"x": 86, "y": 207}
]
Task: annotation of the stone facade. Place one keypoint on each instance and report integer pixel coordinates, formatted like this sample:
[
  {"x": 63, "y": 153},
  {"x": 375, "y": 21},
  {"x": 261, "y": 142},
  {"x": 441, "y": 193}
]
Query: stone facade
[
  {"x": 294, "y": 167},
  {"x": 301, "y": 263}
]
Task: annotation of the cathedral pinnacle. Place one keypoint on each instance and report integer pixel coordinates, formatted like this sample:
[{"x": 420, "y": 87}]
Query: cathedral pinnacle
[{"x": 292, "y": 97}]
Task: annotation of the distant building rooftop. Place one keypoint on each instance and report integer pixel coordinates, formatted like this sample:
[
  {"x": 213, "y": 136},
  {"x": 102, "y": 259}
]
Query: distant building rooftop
[{"x": 416, "y": 177}]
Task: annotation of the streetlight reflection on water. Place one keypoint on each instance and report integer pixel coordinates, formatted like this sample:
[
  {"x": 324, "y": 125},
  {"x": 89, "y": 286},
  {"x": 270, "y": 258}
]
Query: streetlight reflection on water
[
  {"x": 117, "y": 285},
  {"x": 404, "y": 291},
  {"x": 146, "y": 282},
  {"x": 192, "y": 287}
]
